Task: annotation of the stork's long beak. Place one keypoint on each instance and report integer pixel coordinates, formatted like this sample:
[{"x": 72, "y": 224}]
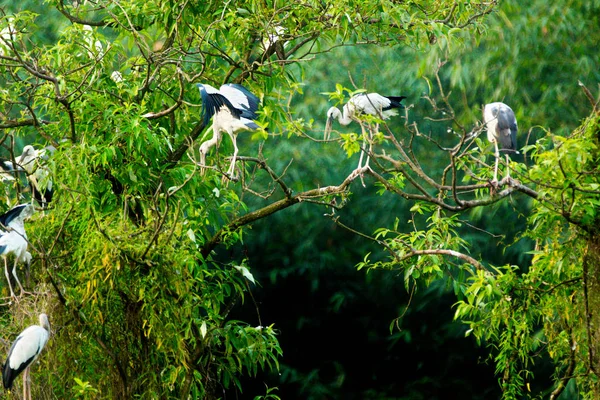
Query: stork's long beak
[{"x": 328, "y": 128}]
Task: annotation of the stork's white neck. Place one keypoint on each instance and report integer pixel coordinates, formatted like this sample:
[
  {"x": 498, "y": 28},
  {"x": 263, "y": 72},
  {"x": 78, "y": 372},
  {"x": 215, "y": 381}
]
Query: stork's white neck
[{"x": 343, "y": 119}]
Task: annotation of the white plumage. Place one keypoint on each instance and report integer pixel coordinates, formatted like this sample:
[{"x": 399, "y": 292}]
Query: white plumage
[
  {"x": 23, "y": 352},
  {"x": 374, "y": 104},
  {"x": 13, "y": 240},
  {"x": 362, "y": 103},
  {"x": 501, "y": 125},
  {"x": 8, "y": 35},
  {"x": 94, "y": 47},
  {"x": 232, "y": 109},
  {"x": 38, "y": 174}
]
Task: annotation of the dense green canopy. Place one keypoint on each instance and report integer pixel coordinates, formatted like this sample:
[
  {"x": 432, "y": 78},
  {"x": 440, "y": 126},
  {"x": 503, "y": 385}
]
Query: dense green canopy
[{"x": 304, "y": 276}]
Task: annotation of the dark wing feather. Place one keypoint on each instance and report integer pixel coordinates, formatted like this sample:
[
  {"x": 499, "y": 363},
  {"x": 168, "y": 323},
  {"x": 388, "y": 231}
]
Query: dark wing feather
[
  {"x": 247, "y": 111},
  {"x": 395, "y": 102},
  {"x": 9, "y": 374},
  {"x": 44, "y": 197},
  {"x": 212, "y": 103},
  {"x": 11, "y": 214},
  {"x": 507, "y": 129},
  {"x": 6, "y": 165}
]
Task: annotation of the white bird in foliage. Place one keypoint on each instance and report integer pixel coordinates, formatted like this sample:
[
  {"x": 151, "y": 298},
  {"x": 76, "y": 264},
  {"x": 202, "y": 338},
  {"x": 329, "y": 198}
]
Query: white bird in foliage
[
  {"x": 94, "y": 47},
  {"x": 232, "y": 109},
  {"x": 13, "y": 240},
  {"x": 374, "y": 104},
  {"x": 38, "y": 174},
  {"x": 24, "y": 351},
  {"x": 362, "y": 103},
  {"x": 8, "y": 35},
  {"x": 502, "y": 131}
]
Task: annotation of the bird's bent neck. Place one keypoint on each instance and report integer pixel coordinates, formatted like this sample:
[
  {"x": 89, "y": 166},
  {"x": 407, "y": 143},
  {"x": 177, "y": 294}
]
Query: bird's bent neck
[{"x": 343, "y": 119}]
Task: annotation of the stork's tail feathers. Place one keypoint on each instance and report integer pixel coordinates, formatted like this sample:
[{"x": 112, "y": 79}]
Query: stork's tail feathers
[
  {"x": 251, "y": 125},
  {"x": 7, "y": 376},
  {"x": 509, "y": 151},
  {"x": 395, "y": 101}
]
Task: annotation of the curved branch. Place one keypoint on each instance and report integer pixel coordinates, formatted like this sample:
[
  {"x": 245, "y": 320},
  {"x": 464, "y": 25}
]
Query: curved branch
[
  {"x": 176, "y": 155},
  {"x": 246, "y": 219},
  {"x": 175, "y": 106},
  {"x": 14, "y": 123},
  {"x": 444, "y": 252}
]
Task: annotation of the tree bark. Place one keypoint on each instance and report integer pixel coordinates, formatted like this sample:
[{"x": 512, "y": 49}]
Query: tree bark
[{"x": 591, "y": 276}]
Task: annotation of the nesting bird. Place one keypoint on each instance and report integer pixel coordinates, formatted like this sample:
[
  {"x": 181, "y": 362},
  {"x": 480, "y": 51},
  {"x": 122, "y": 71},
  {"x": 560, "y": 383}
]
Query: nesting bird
[
  {"x": 24, "y": 351},
  {"x": 374, "y": 104},
  {"x": 502, "y": 131},
  {"x": 13, "y": 240},
  {"x": 232, "y": 109}
]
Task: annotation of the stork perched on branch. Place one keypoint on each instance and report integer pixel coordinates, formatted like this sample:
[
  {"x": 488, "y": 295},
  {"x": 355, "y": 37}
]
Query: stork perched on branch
[
  {"x": 13, "y": 240},
  {"x": 502, "y": 131},
  {"x": 374, "y": 104},
  {"x": 24, "y": 351},
  {"x": 38, "y": 174},
  {"x": 232, "y": 109}
]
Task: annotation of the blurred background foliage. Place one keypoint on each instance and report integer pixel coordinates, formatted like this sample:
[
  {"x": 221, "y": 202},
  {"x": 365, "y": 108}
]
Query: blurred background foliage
[{"x": 531, "y": 56}]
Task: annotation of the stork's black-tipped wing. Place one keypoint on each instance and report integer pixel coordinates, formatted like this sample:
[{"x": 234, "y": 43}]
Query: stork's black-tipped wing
[
  {"x": 212, "y": 101},
  {"x": 10, "y": 215},
  {"x": 9, "y": 374},
  {"x": 24, "y": 350},
  {"x": 395, "y": 102},
  {"x": 241, "y": 98},
  {"x": 507, "y": 129},
  {"x": 43, "y": 197},
  {"x": 6, "y": 165}
]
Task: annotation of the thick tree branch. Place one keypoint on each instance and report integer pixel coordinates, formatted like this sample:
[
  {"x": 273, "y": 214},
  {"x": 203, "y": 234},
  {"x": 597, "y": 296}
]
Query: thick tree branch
[
  {"x": 176, "y": 155},
  {"x": 444, "y": 252},
  {"x": 246, "y": 219}
]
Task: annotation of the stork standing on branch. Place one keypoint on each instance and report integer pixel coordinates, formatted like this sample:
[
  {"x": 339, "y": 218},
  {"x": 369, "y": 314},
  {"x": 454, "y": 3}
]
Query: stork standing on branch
[
  {"x": 232, "y": 109},
  {"x": 502, "y": 131},
  {"x": 38, "y": 174},
  {"x": 374, "y": 104},
  {"x": 24, "y": 351},
  {"x": 13, "y": 240}
]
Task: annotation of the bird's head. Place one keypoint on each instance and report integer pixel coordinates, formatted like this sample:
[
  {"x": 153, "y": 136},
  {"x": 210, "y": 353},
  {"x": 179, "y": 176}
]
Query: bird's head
[
  {"x": 27, "y": 259},
  {"x": 44, "y": 322},
  {"x": 332, "y": 114}
]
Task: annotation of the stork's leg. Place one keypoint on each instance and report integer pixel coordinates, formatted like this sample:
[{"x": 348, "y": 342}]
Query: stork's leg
[
  {"x": 507, "y": 167},
  {"x": 362, "y": 152},
  {"x": 370, "y": 139},
  {"x": 205, "y": 147},
  {"x": 497, "y": 154},
  {"x": 14, "y": 272},
  {"x": 362, "y": 148},
  {"x": 25, "y": 383},
  {"x": 235, "y": 153},
  {"x": 12, "y": 294}
]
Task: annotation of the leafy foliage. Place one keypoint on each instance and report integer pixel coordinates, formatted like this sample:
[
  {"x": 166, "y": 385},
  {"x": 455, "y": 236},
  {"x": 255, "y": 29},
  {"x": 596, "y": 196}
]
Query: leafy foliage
[{"x": 127, "y": 253}]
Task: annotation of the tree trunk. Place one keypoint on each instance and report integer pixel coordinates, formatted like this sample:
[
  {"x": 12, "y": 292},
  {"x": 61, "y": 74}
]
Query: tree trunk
[{"x": 591, "y": 276}]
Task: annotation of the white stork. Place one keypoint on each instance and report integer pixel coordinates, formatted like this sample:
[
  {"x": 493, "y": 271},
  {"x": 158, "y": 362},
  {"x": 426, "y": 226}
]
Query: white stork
[
  {"x": 38, "y": 175},
  {"x": 232, "y": 109},
  {"x": 13, "y": 240},
  {"x": 24, "y": 351},
  {"x": 8, "y": 35},
  {"x": 502, "y": 131},
  {"x": 372, "y": 104}
]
